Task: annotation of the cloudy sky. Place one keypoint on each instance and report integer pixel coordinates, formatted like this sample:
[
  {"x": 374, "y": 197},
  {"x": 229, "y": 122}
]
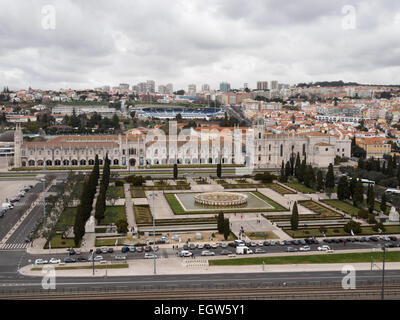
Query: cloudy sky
[{"x": 89, "y": 43}]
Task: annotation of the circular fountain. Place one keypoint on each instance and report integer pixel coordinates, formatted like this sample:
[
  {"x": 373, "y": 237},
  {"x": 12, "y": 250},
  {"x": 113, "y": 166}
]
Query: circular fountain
[{"x": 221, "y": 198}]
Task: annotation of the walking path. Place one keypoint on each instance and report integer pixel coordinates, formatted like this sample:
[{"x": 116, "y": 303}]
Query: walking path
[{"x": 130, "y": 215}]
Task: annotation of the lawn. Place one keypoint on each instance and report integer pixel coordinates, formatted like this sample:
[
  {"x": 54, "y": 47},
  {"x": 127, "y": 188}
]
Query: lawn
[
  {"x": 116, "y": 191},
  {"x": 278, "y": 188},
  {"x": 300, "y": 188},
  {"x": 261, "y": 235},
  {"x": 350, "y": 209},
  {"x": 344, "y": 206},
  {"x": 317, "y": 208},
  {"x": 330, "y": 231},
  {"x": 113, "y": 215},
  {"x": 138, "y": 193},
  {"x": 58, "y": 242},
  {"x": 391, "y": 256},
  {"x": 142, "y": 214},
  {"x": 67, "y": 217},
  {"x": 178, "y": 209},
  {"x": 108, "y": 242}
]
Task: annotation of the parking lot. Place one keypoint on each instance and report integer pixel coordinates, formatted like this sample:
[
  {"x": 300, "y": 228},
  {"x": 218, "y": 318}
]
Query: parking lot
[{"x": 276, "y": 247}]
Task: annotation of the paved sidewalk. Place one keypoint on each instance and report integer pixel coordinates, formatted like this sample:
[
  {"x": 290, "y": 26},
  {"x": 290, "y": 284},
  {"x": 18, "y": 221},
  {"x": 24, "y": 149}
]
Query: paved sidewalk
[{"x": 130, "y": 215}]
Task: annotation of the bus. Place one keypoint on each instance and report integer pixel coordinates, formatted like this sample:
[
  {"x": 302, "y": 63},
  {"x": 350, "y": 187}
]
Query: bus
[
  {"x": 391, "y": 191},
  {"x": 367, "y": 182}
]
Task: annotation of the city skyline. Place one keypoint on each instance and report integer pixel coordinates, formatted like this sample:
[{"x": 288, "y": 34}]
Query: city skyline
[{"x": 73, "y": 45}]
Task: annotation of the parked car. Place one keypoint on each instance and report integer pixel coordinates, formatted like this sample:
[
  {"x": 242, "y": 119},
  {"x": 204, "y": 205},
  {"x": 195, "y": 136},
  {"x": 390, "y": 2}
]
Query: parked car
[
  {"x": 120, "y": 257},
  {"x": 110, "y": 250},
  {"x": 291, "y": 249},
  {"x": 98, "y": 251},
  {"x": 272, "y": 243},
  {"x": 185, "y": 253},
  {"x": 207, "y": 246},
  {"x": 54, "y": 260},
  {"x": 69, "y": 260},
  {"x": 41, "y": 261},
  {"x": 104, "y": 250},
  {"x": 132, "y": 249},
  {"x": 147, "y": 249},
  {"x": 305, "y": 248},
  {"x": 302, "y": 242},
  {"x": 266, "y": 243},
  {"x": 223, "y": 245},
  {"x": 200, "y": 246},
  {"x": 139, "y": 249},
  {"x": 192, "y": 246},
  {"x": 214, "y": 246},
  {"x": 185, "y": 247},
  {"x": 71, "y": 251},
  {"x": 225, "y": 252},
  {"x": 260, "y": 243},
  {"x": 324, "y": 248},
  {"x": 81, "y": 259},
  {"x": 96, "y": 258},
  {"x": 123, "y": 250},
  {"x": 150, "y": 256},
  {"x": 259, "y": 250},
  {"x": 373, "y": 238},
  {"x": 393, "y": 238},
  {"x": 207, "y": 253}
]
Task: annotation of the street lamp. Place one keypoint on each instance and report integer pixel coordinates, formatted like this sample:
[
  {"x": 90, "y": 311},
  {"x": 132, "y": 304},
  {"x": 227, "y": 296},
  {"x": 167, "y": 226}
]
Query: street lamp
[
  {"x": 92, "y": 256},
  {"x": 383, "y": 272}
]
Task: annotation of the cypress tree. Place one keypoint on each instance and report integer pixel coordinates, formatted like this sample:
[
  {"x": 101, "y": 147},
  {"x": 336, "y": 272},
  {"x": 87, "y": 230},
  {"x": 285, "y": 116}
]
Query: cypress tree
[
  {"x": 342, "y": 189},
  {"x": 219, "y": 170},
  {"x": 358, "y": 196},
  {"x": 287, "y": 170},
  {"x": 352, "y": 187},
  {"x": 302, "y": 171},
  {"x": 320, "y": 181},
  {"x": 298, "y": 164},
  {"x": 383, "y": 203},
  {"x": 371, "y": 198},
  {"x": 283, "y": 171},
  {"x": 226, "y": 229},
  {"x": 294, "y": 220},
  {"x": 330, "y": 178},
  {"x": 176, "y": 171},
  {"x": 220, "y": 222}
]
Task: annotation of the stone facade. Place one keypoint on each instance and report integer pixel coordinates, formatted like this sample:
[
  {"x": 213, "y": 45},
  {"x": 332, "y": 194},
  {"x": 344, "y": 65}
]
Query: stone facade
[{"x": 195, "y": 146}]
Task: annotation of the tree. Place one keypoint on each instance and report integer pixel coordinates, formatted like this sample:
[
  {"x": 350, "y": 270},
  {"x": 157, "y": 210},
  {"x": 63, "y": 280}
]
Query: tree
[
  {"x": 297, "y": 167},
  {"x": 283, "y": 177},
  {"x": 330, "y": 178},
  {"x": 320, "y": 181},
  {"x": 175, "y": 171},
  {"x": 287, "y": 170},
  {"x": 358, "y": 196},
  {"x": 226, "y": 228},
  {"x": 220, "y": 222},
  {"x": 352, "y": 226},
  {"x": 219, "y": 169},
  {"x": 352, "y": 186},
  {"x": 302, "y": 170},
  {"x": 294, "y": 220},
  {"x": 370, "y": 198},
  {"x": 343, "y": 188},
  {"x": 378, "y": 226},
  {"x": 309, "y": 177},
  {"x": 383, "y": 203},
  {"x": 122, "y": 226},
  {"x": 100, "y": 206}
]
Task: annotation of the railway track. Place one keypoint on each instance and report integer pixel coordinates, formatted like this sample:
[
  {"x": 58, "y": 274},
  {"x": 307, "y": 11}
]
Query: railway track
[{"x": 291, "y": 293}]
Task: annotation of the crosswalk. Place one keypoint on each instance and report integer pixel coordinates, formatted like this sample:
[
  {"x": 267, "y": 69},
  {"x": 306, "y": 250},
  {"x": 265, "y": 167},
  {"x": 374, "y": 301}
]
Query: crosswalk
[{"x": 14, "y": 246}]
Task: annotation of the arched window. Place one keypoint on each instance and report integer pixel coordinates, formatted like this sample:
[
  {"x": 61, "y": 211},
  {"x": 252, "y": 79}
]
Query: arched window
[
  {"x": 66, "y": 163},
  {"x": 115, "y": 162},
  {"x": 57, "y": 163},
  {"x": 74, "y": 162},
  {"x": 91, "y": 162}
]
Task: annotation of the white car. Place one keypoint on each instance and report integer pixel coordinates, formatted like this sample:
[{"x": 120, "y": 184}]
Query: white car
[
  {"x": 200, "y": 246},
  {"x": 282, "y": 243},
  {"x": 207, "y": 253},
  {"x": 54, "y": 261},
  {"x": 324, "y": 248},
  {"x": 253, "y": 244},
  {"x": 305, "y": 248},
  {"x": 96, "y": 258},
  {"x": 185, "y": 253},
  {"x": 41, "y": 261},
  {"x": 249, "y": 251},
  {"x": 150, "y": 256},
  {"x": 260, "y": 243},
  {"x": 214, "y": 246}
]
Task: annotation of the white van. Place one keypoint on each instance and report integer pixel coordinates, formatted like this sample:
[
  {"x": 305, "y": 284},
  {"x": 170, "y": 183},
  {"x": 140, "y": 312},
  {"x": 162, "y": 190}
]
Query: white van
[
  {"x": 7, "y": 205},
  {"x": 243, "y": 250},
  {"x": 239, "y": 243}
]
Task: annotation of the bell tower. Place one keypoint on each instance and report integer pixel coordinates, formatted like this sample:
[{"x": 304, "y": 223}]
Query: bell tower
[{"x": 18, "y": 139}]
